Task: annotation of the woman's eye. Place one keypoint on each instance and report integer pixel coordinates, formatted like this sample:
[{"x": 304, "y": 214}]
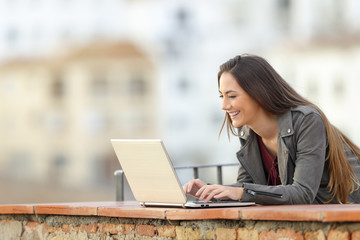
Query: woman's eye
[
  {"x": 221, "y": 96},
  {"x": 232, "y": 96}
]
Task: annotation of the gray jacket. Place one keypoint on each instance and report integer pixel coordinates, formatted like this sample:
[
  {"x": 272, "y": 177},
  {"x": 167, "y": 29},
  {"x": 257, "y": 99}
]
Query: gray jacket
[{"x": 302, "y": 146}]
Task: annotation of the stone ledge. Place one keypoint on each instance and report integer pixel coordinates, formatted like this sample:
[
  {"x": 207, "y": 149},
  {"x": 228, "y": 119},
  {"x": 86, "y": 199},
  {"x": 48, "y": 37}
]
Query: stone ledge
[
  {"x": 44, "y": 227},
  {"x": 302, "y": 213}
]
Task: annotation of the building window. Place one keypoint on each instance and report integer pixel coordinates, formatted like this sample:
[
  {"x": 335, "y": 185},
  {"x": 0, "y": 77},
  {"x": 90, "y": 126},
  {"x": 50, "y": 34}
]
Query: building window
[
  {"x": 339, "y": 89},
  {"x": 102, "y": 167},
  {"x": 57, "y": 168},
  {"x": 99, "y": 85},
  {"x": 12, "y": 36},
  {"x": 137, "y": 86},
  {"x": 183, "y": 86},
  {"x": 54, "y": 121},
  {"x": 284, "y": 5},
  {"x": 182, "y": 17},
  {"x": 283, "y": 15},
  {"x": 58, "y": 87}
]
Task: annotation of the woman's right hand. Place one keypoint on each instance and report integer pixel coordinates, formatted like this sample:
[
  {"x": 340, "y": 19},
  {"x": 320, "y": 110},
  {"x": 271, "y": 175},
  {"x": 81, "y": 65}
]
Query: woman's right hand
[{"x": 193, "y": 186}]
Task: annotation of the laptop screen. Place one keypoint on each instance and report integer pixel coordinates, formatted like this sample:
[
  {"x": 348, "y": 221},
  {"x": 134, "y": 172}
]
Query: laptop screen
[{"x": 149, "y": 171}]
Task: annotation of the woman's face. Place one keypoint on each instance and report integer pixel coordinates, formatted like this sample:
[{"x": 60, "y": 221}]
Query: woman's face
[{"x": 242, "y": 109}]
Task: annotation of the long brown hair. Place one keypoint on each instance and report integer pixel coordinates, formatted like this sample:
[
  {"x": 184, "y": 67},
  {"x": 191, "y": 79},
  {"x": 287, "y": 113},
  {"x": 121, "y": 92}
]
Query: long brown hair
[{"x": 260, "y": 80}]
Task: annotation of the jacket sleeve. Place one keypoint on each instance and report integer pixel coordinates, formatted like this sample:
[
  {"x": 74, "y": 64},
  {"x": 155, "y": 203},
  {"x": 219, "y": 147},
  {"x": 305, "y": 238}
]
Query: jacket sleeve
[
  {"x": 243, "y": 176},
  {"x": 310, "y": 144}
]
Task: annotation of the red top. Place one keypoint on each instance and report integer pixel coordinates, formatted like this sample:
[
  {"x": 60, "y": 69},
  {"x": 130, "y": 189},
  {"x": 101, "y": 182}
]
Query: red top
[{"x": 270, "y": 164}]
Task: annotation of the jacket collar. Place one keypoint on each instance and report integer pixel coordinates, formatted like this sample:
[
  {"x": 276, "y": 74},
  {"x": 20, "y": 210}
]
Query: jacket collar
[
  {"x": 285, "y": 126},
  {"x": 244, "y": 132}
]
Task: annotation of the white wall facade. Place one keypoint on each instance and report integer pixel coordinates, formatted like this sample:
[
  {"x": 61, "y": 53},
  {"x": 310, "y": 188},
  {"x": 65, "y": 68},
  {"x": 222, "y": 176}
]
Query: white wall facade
[{"x": 188, "y": 40}]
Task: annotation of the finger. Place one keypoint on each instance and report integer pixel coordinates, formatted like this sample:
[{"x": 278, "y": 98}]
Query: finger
[
  {"x": 221, "y": 195},
  {"x": 232, "y": 193},
  {"x": 198, "y": 183},
  {"x": 212, "y": 194},
  {"x": 207, "y": 190},
  {"x": 189, "y": 186},
  {"x": 200, "y": 191}
]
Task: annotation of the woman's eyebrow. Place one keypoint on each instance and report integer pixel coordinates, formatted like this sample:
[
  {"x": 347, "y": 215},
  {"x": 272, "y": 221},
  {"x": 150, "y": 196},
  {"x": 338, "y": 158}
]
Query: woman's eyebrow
[{"x": 228, "y": 91}]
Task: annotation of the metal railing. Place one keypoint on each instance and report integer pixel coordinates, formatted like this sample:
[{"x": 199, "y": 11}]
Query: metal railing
[{"x": 119, "y": 176}]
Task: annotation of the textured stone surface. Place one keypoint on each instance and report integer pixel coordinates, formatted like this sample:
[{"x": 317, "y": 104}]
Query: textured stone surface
[
  {"x": 10, "y": 230},
  {"x": 82, "y": 221}
]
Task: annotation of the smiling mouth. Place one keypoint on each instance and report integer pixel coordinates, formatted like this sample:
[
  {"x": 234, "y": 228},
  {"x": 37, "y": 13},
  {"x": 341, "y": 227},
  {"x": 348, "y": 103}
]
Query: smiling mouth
[{"x": 234, "y": 114}]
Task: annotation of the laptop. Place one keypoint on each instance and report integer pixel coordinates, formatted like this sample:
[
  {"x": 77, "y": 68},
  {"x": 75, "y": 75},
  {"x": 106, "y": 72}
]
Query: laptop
[{"x": 152, "y": 178}]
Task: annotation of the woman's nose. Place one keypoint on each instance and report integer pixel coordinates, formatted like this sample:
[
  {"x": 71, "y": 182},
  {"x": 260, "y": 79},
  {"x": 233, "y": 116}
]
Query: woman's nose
[{"x": 225, "y": 105}]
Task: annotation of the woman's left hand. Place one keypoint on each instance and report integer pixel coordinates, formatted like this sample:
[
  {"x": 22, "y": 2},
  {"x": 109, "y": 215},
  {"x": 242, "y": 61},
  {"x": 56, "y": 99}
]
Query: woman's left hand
[{"x": 207, "y": 192}]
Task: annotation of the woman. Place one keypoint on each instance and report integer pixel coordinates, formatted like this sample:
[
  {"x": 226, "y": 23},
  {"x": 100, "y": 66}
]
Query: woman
[{"x": 290, "y": 153}]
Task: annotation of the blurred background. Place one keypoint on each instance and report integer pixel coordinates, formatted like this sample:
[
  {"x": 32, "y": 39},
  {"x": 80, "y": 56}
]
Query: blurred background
[{"x": 76, "y": 73}]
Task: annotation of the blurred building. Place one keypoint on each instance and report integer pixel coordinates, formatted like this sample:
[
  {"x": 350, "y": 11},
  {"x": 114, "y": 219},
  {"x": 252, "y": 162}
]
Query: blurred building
[
  {"x": 327, "y": 73},
  {"x": 57, "y": 115},
  {"x": 76, "y": 73},
  {"x": 32, "y": 28}
]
